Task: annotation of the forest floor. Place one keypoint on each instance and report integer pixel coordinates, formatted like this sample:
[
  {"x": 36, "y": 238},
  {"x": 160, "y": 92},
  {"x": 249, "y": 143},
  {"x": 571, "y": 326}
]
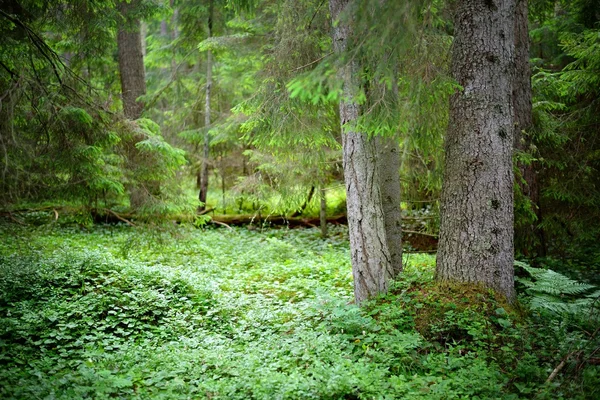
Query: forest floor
[{"x": 176, "y": 313}]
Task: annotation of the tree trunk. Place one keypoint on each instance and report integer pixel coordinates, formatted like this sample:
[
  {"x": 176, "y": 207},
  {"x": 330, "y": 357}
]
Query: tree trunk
[
  {"x": 529, "y": 237},
  {"x": 476, "y": 229},
  {"x": 388, "y": 169},
  {"x": 206, "y": 148},
  {"x": 323, "y": 213},
  {"x": 299, "y": 212},
  {"x": 131, "y": 61},
  {"x": 373, "y": 249},
  {"x": 174, "y": 36}
]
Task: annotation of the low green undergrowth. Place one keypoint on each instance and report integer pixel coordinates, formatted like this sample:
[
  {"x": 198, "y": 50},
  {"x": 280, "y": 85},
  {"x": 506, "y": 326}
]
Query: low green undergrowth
[{"x": 175, "y": 312}]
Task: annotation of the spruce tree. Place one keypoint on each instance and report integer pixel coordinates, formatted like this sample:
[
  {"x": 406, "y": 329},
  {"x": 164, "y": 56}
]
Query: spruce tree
[{"x": 476, "y": 228}]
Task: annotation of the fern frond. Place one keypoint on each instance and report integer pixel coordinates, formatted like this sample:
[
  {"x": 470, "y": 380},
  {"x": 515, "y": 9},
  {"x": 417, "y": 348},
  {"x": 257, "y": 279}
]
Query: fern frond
[
  {"x": 544, "y": 302},
  {"x": 553, "y": 292},
  {"x": 557, "y": 284}
]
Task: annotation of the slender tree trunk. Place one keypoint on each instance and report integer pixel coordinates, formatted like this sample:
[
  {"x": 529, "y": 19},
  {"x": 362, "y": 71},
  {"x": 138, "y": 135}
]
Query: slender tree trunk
[
  {"x": 223, "y": 188},
  {"x": 476, "y": 230},
  {"x": 309, "y": 197},
  {"x": 206, "y": 148},
  {"x": 323, "y": 212},
  {"x": 131, "y": 61},
  {"x": 528, "y": 237},
  {"x": 174, "y": 36},
  {"x": 373, "y": 249},
  {"x": 143, "y": 33},
  {"x": 388, "y": 169}
]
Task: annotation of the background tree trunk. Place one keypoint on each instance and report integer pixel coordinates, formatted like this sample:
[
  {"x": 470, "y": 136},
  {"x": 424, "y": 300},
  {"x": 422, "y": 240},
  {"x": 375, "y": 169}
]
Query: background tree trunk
[
  {"x": 174, "y": 36},
  {"x": 206, "y": 148},
  {"x": 372, "y": 249},
  {"x": 476, "y": 230},
  {"x": 530, "y": 237},
  {"x": 388, "y": 169},
  {"x": 309, "y": 197},
  {"x": 131, "y": 61},
  {"x": 323, "y": 212}
]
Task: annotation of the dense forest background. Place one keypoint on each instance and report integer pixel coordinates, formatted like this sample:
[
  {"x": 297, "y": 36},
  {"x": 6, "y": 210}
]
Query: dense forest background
[
  {"x": 174, "y": 117},
  {"x": 238, "y": 101}
]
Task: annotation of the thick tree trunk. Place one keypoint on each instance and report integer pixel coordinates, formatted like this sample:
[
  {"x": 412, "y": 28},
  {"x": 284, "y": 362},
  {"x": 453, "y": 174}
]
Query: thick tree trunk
[
  {"x": 206, "y": 148},
  {"x": 528, "y": 237},
  {"x": 131, "y": 61},
  {"x": 374, "y": 250},
  {"x": 476, "y": 231},
  {"x": 133, "y": 85}
]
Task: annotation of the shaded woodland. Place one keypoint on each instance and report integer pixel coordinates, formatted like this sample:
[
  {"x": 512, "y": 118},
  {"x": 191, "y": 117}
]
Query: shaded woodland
[{"x": 405, "y": 181}]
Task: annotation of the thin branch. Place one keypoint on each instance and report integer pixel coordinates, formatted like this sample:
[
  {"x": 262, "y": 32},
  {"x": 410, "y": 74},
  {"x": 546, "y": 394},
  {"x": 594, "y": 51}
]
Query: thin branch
[
  {"x": 119, "y": 217},
  {"x": 11, "y": 72},
  {"x": 221, "y": 223},
  {"x": 38, "y": 42},
  {"x": 312, "y": 62},
  {"x": 53, "y": 58},
  {"x": 173, "y": 79},
  {"x": 420, "y": 233},
  {"x": 315, "y": 13},
  {"x": 559, "y": 367},
  {"x": 18, "y": 221}
]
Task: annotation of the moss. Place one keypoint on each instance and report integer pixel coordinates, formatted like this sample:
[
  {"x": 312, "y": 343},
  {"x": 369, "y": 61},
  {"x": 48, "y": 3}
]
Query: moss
[{"x": 450, "y": 312}]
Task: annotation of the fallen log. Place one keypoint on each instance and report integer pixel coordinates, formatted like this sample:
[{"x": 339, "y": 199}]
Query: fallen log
[
  {"x": 277, "y": 220},
  {"x": 419, "y": 241}
]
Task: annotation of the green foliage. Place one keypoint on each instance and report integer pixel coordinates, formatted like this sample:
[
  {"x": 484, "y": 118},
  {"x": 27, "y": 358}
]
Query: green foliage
[
  {"x": 176, "y": 312},
  {"x": 565, "y": 146},
  {"x": 151, "y": 166},
  {"x": 582, "y": 74},
  {"x": 64, "y": 144},
  {"x": 551, "y": 291}
]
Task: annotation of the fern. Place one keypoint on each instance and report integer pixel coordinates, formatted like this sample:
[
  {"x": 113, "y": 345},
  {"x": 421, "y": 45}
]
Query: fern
[{"x": 553, "y": 292}]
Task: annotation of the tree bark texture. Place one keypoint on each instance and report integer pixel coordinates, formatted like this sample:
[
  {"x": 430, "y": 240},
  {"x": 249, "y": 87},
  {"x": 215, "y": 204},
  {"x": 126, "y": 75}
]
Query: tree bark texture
[
  {"x": 206, "y": 148},
  {"x": 388, "y": 170},
  {"x": 476, "y": 227},
  {"x": 528, "y": 237},
  {"x": 131, "y": 61},
  {"x": 375, "y": 252}
]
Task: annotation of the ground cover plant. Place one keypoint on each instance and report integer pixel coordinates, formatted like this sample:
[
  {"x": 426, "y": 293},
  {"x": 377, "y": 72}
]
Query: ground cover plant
[
  {"x": 178, "y": 312},
  {"x": 463, "y": 128}
]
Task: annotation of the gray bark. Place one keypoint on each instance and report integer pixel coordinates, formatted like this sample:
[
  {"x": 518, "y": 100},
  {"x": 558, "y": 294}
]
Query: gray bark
[
  {"x": 476, "y": 228},
  {"x": 375, "y": 252},
  {"x": 388, "y": 169},
  {"x": 206, "y": 148},
  {"x": 131, "y": 61}
]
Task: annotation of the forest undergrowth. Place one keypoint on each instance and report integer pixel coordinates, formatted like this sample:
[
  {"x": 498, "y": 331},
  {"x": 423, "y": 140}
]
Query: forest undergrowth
[{"x": 176, "y": 312}]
